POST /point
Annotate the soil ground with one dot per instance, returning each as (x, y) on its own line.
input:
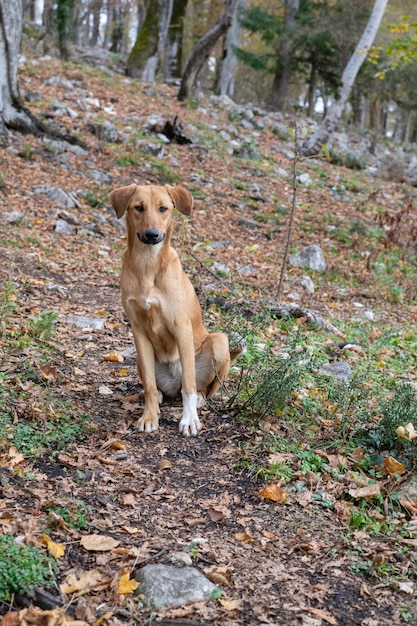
(158, 494)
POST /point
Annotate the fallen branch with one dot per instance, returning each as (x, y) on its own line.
(313, 317)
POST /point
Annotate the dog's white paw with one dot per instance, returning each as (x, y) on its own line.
(189, 424)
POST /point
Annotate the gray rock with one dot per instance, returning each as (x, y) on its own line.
(246, 270)
(306, 283)
(304, 179)
(107, 132)
(128, 353)
(408, 489)
(12, 217)
(247, 223)
(64, 199)
(69, 217)
(340, 370)
(311, 256)
(101, 178)
(87, 323)
(62, 227)
(170, 586)
(219, 267)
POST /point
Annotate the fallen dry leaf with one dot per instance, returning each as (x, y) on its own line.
(244, 537)
(99, 543)
(128, 499)
(114, 357)
(230, 605)
(220, 575)
(49, 372)
(56, 549)
(406, 587)
(165, 464)
(85, 582)
(407, 432)
(11, 458)
(365, 492)
(274, 493)
(126, 585)
(410, 506)
(215, 515)
(392, 466)
(322, 615)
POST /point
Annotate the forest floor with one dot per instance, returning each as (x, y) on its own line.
(313, 549)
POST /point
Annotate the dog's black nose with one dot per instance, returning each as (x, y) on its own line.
(152, 236)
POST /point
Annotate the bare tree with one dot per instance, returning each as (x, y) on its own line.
(279, 90)
(174, 40)
(145, 57)
(228, 63)
(204, 47)
(13, 114)
(335, 111)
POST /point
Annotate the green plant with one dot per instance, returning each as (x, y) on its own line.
(75, 515)
(42, 326)
(348, 159)
(22, 567)
(96, 198)
(26, 151)
(400, 410)
(7, 303)
(216, 593)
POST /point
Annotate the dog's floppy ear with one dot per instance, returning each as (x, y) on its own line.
(120, 199)
(182, 199)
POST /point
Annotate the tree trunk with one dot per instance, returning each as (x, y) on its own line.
(173, 43)
(228, 64)
(13, 114)
(313, 145)
(281, 82)
(95, 11)
(204, 46)
(312, 85)
(145, 57)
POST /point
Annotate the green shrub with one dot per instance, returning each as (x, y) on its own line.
(22, 567)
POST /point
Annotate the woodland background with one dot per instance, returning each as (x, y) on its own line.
(263, 57)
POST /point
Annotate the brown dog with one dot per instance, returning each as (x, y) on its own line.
(174, 351)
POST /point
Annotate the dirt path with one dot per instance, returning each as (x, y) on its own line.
(295, 562)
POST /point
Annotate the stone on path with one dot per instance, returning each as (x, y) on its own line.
(311, 257)
(170, 586)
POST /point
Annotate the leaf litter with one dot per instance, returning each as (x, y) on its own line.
(275, 556)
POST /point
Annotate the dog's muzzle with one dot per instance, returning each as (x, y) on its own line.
(151, 236)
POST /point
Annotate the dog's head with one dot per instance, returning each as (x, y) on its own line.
(149, 209)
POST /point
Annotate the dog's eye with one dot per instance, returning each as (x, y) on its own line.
(162, 209)
(140, 208)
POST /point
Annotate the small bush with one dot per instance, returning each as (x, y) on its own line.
(23, 567)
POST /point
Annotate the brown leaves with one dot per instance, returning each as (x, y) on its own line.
(392, 466)
(274, 493)
(84, 582)
(98, 543)
(365, 492)
(10, 459)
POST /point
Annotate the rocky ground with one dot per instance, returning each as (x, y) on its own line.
(160, 498)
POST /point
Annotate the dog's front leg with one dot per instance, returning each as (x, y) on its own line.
(145, 361)
(189, 424)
